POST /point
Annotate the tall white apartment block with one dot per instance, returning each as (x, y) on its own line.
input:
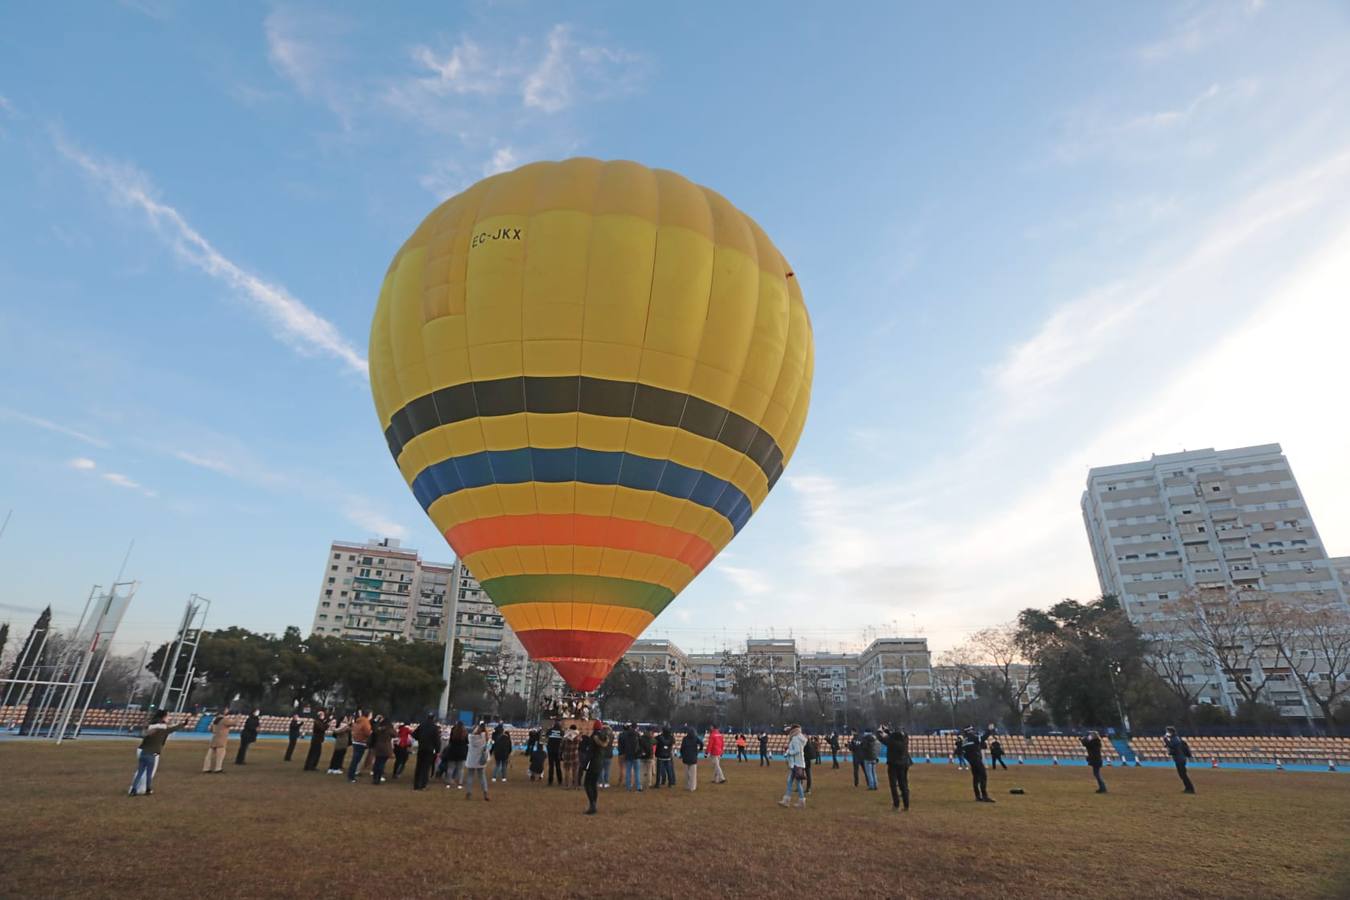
(660, 655)
(1205, 519)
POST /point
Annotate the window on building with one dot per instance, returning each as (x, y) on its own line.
(330, 581)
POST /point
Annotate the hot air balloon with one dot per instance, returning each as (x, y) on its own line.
(590, 374)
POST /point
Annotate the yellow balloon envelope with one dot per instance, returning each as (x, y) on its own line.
(591, 374)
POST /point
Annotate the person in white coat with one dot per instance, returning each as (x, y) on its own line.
(476, 764)
(796, 762)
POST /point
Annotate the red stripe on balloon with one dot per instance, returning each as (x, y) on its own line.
(540, 529)
(582, 658)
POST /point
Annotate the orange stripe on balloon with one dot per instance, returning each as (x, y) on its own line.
(541, 529)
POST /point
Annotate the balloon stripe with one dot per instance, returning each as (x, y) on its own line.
(584, 394)
(580, 530)
(603, 590)
(529, 464)
(577, 616)
(557, 643)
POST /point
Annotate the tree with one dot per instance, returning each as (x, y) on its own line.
(499, 669)
(747, 685)
(4, 638)
(1231, 629)
(946, 690)
(1170, 658)
(1084, 656)
(818, 687)
(780, 683)
(994, 660)
(1314, 643)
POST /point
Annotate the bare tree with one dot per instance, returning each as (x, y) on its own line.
(947, 676)
(499, 669)
(781, 683)
(1170, 658)
(746, 683)
(992, 658)
(1314, 642)
(1232, 630)
(818, 685)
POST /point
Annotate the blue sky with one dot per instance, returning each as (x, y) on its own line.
(1031, 240)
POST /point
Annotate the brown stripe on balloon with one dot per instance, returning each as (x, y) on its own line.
(593, 396)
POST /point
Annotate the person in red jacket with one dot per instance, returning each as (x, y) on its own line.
(401, 747)
(716, 744)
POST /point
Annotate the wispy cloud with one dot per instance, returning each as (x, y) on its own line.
(751, 582)
(361, 513)
(293, 323)
(307, 49)
(502, 101)
(571, 69)
(48, 425)
(1198, 28)
(83, 463)
(1150, 363)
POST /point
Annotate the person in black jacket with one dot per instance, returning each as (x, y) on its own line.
(1180, 751)
(665, 758)
(630, 755)
(501, 752)
(316, 733)
(854, 746)
(898, 762)
(554, 738)
(1092, 743)
(594, 752)
(428, 737)
(834, 750)
(996, 753)
(970, 746)
(292, 735)
(763, 748)
(690, 748)
(247, 736)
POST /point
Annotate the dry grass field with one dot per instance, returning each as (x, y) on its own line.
(268, 830)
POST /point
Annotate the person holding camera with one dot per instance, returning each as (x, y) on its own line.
(1092, 743)
(1180, 751)
(970, 746)
(898, 762)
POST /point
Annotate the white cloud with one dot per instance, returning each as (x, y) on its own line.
(48, 425)
(306, 48)
(292, 321)
(503, 160)
(83, 463)
(747, 581)
(124, 481)
(1235, 342)
(361, 513)
(1200, 28)
(570, 70)
(212, 463)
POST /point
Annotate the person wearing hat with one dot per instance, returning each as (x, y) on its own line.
(796, 763)
(598, 742)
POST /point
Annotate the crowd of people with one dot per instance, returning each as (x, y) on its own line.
(460, 756)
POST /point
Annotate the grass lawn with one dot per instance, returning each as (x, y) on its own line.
(269, 830)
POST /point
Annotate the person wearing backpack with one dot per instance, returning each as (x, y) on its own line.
(1180, 751)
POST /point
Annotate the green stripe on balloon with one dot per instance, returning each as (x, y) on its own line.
(598, 589)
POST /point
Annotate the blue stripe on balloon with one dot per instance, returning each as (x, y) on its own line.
(586, 466)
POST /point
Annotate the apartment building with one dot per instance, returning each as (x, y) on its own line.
(378, 589)
(660, 655)
(897, 667)
(831, 679)
(1223, 526)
